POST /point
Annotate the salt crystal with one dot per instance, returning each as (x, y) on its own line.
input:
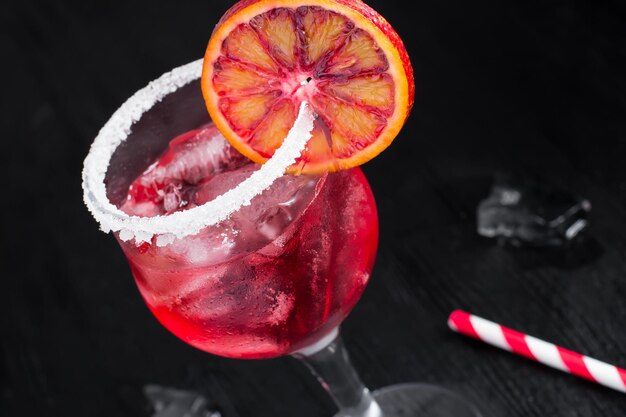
(164, 240)
(126, 235)
(182, 223)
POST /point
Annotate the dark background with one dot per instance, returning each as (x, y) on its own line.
(533, 86)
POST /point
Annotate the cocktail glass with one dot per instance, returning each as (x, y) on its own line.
(276, 277)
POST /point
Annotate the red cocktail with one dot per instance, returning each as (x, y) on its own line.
(273, 278)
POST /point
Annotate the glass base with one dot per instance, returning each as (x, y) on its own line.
(421, 400)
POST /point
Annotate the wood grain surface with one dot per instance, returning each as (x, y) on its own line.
(537, 87)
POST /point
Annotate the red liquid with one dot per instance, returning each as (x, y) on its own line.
(274, 278)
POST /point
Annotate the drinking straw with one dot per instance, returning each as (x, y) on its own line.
(538, 350)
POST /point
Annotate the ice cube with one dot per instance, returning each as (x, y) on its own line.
(215, 186)
(273, 221)
(269, 213)
(213, 245)
(284, 201)
(191, 158)
(172, 200)
(226, 297)
(531, 211)
(197, 155)
(171, 402)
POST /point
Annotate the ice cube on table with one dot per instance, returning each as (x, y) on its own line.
(170, 402)
(531, 211)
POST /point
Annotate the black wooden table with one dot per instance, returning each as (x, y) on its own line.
(537, 87)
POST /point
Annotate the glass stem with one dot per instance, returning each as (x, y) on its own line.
(328, 360)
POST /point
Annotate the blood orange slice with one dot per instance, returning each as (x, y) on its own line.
(267, 56)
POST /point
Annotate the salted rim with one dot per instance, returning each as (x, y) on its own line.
(188, 222)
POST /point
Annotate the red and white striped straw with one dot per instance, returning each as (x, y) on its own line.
(538, 350)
